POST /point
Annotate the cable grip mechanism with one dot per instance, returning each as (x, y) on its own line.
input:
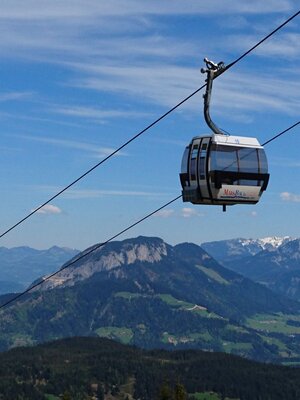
(212, 70)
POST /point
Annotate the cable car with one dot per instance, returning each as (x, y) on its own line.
(219, 169)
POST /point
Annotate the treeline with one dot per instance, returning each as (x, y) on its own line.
(82, 368)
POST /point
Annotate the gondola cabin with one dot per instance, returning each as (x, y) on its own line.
(223, 170)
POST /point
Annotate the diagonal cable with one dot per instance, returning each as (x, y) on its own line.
(96, 247)
(101, 162)
(147, 128)
(91, 250)
(263, 40)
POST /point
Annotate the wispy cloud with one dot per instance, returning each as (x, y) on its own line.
(285, 45)
(95, 149)
(236, 91)
(284, 162)
(69, 27)
(10, 96)
(92, 193)
(142, 81)
(35, 10)
(287, 196)
(261, 93)
(234, 22)
(96, 113)
(49, 209)
(145, 66)
(80, 194)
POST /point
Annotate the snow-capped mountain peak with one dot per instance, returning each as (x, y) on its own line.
(273, 242)
(226, 250)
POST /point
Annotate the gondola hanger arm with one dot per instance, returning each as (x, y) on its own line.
(212, 70)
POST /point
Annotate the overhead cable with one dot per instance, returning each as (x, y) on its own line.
(144, 130)
(89, 251)
(98, 246)
(264, 39)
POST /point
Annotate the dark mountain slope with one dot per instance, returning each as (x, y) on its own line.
(94, 367)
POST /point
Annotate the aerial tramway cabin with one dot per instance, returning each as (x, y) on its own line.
(220, 169)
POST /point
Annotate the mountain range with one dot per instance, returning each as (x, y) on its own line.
(146, 292)
(232, 249)
(274, 262)
(19, 266)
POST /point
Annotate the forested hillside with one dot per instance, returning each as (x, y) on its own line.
(85, 368)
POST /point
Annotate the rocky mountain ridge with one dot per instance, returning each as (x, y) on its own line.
(109, 257)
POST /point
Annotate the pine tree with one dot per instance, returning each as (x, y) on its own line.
(66, 396)
(165, 392)
(180, 392)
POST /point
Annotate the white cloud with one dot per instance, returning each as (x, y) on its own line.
(187, 212)
(49, 209)
(165, 213)
(287, 196)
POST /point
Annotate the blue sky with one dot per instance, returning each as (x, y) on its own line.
(79, 78)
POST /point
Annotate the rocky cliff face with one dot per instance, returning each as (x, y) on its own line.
(113, 255)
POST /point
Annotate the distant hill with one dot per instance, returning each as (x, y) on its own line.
(19, 266)
(81, 368)
(145, 292)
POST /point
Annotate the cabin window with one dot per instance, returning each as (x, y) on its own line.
(184, 162)
(194, 162)
(224, 158)
(202, 163)
(238, 160)
(248, 160)
(263, 163)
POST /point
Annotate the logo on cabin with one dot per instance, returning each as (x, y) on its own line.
(236, 194)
